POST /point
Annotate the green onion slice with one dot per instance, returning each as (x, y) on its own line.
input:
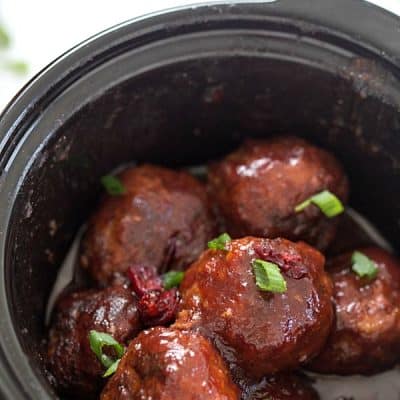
(363, 266)
(220, 242)
(268, 276)
(113, 367)
(172, 279)
(327, 202)
(97, 341)
(113, 185)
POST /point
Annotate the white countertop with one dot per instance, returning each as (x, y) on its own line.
(43, 29)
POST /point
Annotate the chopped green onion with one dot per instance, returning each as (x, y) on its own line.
(97, 341)
(113, 367)
(327, 202)
(220, 242)
(113, 185)
(172, 279)
(363, 266)
(268, 276)
(4, 38)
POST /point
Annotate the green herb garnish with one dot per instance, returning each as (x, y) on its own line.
(268, 276)
(327, 202)
(363, 266)
(113, 367)
(97, 341)
(113, 185)
(172, 279)
(220, 242)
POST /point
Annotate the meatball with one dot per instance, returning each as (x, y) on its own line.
(282, 387)
(258, 187)
(366, 337)
(168, 364)
(72, 362)
(163, 219)
(261, 332)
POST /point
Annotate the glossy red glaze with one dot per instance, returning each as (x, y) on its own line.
(163, 220)
(261, 332)
(258, 186)
(168, 364)
(112, 310)
(366, 337)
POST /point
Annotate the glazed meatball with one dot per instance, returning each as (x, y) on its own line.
(163, 220)
(258, 187)
(260, 331)
(366, 337)
(168, 364)
(72, 362)
(282, 387)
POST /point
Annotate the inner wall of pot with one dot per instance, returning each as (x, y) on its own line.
(187, 113)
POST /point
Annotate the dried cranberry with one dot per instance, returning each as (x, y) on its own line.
(144, 279)
(290, 264)
(158, 307)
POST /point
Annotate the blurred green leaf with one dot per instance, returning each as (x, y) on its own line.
(16, 67)
(4, 38)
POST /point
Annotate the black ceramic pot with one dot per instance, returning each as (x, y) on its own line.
(180, 88)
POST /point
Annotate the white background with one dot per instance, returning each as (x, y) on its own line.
(44, 29)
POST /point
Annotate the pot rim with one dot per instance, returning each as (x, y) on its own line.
(310, 17)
